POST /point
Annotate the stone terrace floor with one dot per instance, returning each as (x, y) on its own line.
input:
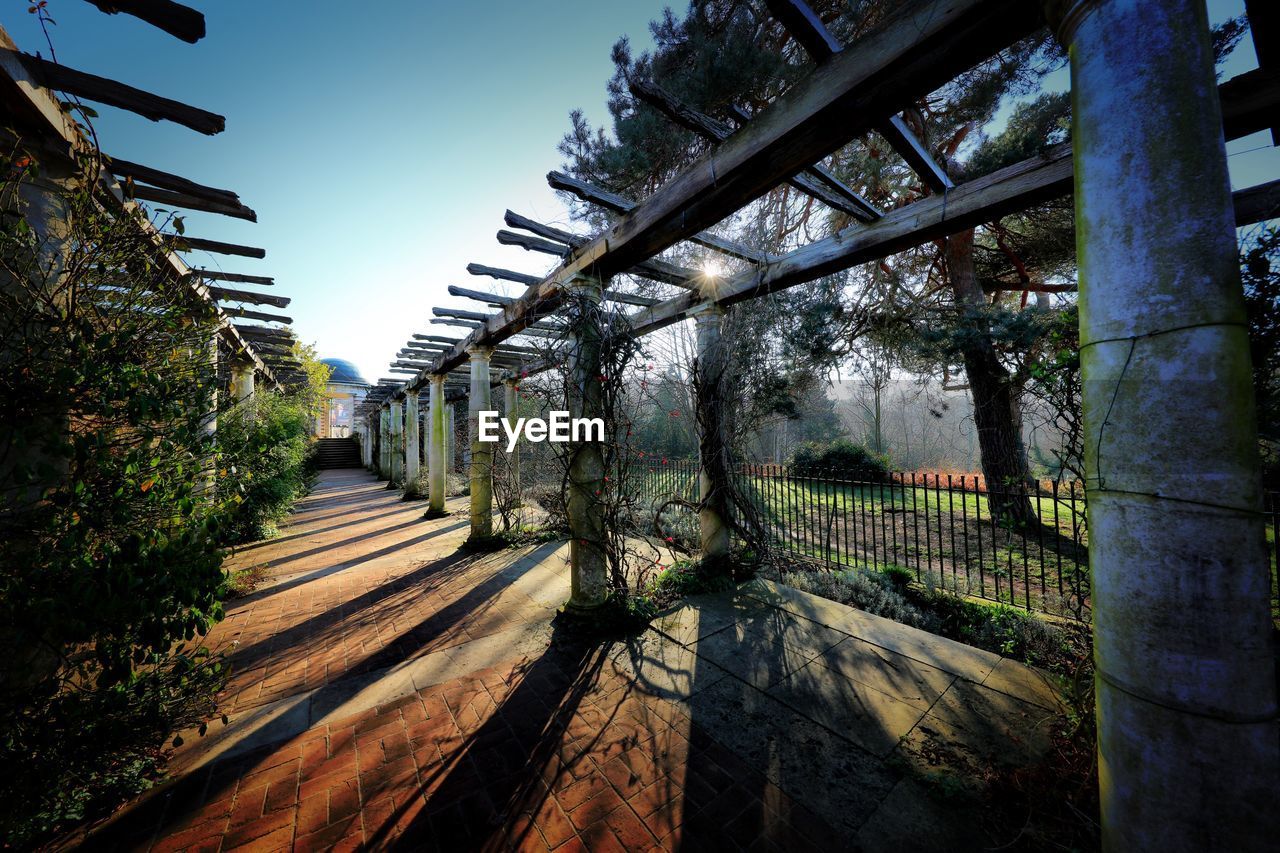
(393, 692)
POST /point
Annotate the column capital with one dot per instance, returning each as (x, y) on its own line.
(706, 312)
(1064, 17)
(480, 353)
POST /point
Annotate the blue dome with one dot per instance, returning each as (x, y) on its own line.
(344, 371)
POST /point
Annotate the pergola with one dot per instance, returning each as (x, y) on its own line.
(27, 92)
(1186, 696)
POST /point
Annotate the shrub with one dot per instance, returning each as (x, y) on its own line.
(840, 457)
(264, 464)
(873, 592)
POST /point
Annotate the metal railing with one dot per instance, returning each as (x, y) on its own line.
(939, 528)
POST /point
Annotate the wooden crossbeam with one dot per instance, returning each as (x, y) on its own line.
(480, 296)
(1257, 204)
(183, 243)
(807, 29)
(652, 269)
(533, 244)
(256, 315)
(113, 93)
(925, 45)
(236, 277)
(618, 204)
(177, 20)
(503, 275)
(264, 331)
(1250, 102)
(225, 294)
(454, 341)
(168, 181)
(816, 181)
(173, 199)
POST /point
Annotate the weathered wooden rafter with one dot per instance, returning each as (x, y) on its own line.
(91, 87)
(190, 202)
(807, 29)
(167, 181)
(235, 277)
(816, 181)
(175, 19)
(183, 243)
(925, 45)
(223, 294)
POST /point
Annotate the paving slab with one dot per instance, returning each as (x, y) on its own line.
(393, 691)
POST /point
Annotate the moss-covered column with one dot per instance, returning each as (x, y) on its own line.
(712, 515)
(397, 444)
(510, 411)
(589, 576)
(384, 442)
(243, 382)
(209, 423)
(1188, 754)
(450, 440)
(436, 446)
(481, 463)
(411, 451)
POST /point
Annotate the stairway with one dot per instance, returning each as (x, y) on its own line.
(337, 453)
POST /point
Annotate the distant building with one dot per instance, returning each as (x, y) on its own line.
(346, 388)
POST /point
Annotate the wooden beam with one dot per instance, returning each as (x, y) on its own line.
(1250, 102)
(909, 147)
(168, 181)
(1257, 204)
(618, 204)
(264, 331)
(816, 182)
(177, 20)
(925, 45)
(503, 275)
(173, 199)
(113, 93)
(652, 269)
(226, 294)
(454, 341)
(183, 243)
(533, 244)
(807, 29)
(238, 278)
(256, 315)
(968, 205)
(480, 296)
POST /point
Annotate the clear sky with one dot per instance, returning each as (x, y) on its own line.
(381, 143)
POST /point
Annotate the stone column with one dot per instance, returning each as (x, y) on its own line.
(412, 454)
(450, 440)
(510, 407)
(209, 423)
(1186, 691)
(384, 442)
(436, 446)
(481, 464)
(713, 528)
(589, 575)
(243, 383)
(397, 443)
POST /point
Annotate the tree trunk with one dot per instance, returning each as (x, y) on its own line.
(997, 408)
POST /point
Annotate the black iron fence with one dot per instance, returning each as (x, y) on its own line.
(938, 527)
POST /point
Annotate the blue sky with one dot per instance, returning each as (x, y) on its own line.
(381, 143)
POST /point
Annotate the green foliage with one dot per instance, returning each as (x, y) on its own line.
(1260, 272)
(1033, 128)
(841, 457)
(264, 456)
